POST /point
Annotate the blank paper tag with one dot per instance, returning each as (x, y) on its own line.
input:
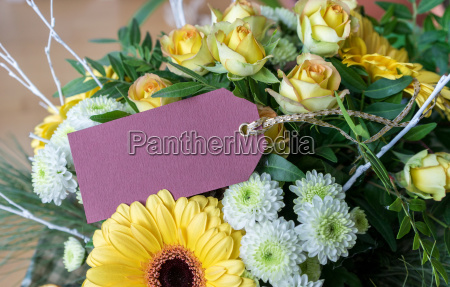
(188, 147)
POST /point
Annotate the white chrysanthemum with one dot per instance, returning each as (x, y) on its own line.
(51, 179)
(284, 52)
(60, 140)
(283, 15)
(257, 199)
(74, 254)
(272, 251)
(79, 115)
(359, 217)
(299, 281)
(327, 231)
(315, 184)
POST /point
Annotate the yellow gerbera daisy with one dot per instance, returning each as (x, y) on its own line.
(368, 49)
(167, 243)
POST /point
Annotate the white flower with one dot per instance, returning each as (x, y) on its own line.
(79, 198)
(327, 230)
(51, 179)
(284, 52)
(257, 199)
(282, 15)
(79, 115)
(299, 281)
(359, 217)
(315, 184)
(60, 140)
(271, 251)
(74, 254)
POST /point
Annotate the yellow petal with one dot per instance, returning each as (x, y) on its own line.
(108, 275)
(430, 180)
(214, 272)
(166, 225)
(108, 255)
(192, 208)
(212, 211)
(211, 243)
(167, 198)
(213, 222)
(98, 239)
(235, 267)
(195, 229)
(246, 282)
(146, 238)
(228, 280)
(201, 200)
(220, 252)
(128, 246)
(180, 205)
(204, 238)
(140, 215)
(152, 204)
(237, 236)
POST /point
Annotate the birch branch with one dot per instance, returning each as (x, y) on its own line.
(178, 13)
(58, 39)
(49, 59)
(21, 77)
(415, 120)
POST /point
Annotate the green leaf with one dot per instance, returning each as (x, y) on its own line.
(146, 10)
(234, 78)
(385, 110)
(400, 11)
(179, 90)
(123, 35)
(429, 223)
(447, 239)
(350, 78)
(384, 88)
(77, 66)
(405, 227)
(432, 37)
(438, 266)
(78, 86)
(431, 248)
(279, 168)
(103, 41)
(109, 116)
(90, 244)
(416, 242)
(427, 5)
(147, 43)
(117, 66)
(129, 71)
(347, 118)
(419, 132)
(422, 227)
(218, 68)
(129, 102)
(271, 3)
(97, 66)
(189, 72)
(265, 76)
(135, 33)
(327, 153)
(396, 205)
(271, 46)
(417, 204)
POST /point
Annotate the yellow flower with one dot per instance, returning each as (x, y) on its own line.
(323, 25)
(144, 87)
(309, 87)
(234, 45)
(46, 129)
(352, 4)
(187, 47)
(166, 243)
(240, 9)
(279, 142)
(368, 49)
(427, 175)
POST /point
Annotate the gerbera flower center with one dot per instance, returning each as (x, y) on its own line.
(175, 266)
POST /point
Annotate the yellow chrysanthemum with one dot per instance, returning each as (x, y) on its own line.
(46, 129)
(367, 49)
(167, 243)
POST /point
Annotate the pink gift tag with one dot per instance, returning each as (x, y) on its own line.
(188, 147)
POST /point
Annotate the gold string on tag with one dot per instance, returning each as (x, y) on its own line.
(263, 124)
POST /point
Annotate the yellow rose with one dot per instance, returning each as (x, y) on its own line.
(427, 175)
(144, 87)
(238, 10)
(278, 144)
(309, 87)
(187, 47)
(234, 45)
(323, 25)
(352, 4)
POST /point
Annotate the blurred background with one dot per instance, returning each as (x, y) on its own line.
(25, 36)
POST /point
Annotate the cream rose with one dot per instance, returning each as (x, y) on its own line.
(144, 87)
(187, 47)
(279, 140)
(323, 25)
(309, 87)
(427, 175)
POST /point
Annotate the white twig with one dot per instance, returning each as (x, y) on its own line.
(33, 136)
(28, 215)
(49, 59)
(415, 120)
(44, 105)
(23, 79)
(178, 12)
(60, 41)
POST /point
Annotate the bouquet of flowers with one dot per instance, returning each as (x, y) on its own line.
(336, 213)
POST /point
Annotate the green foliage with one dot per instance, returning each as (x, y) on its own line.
(109, 116)
(279, 168)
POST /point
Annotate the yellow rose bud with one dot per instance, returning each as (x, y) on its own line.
(352, 4)
(144, 87)
(187, 47)
(309, 87)
(238, 10)
(323, 25)
(234, 45)
(278, 142)
(427, 175)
